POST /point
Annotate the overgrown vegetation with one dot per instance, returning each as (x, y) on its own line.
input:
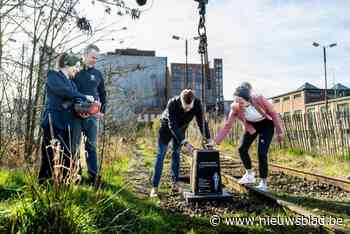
(113, 208)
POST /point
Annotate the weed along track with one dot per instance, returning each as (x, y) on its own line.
(242, 206)
(308, 195)
(296, 182)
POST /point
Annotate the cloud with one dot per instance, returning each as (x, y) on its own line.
(266, 42)
(269, 43)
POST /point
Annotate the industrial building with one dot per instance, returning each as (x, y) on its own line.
(136, 80)
(214, 85)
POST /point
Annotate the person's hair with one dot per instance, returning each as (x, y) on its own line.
(187, 95)
(66, 59)
(60, 60)
(91, 48)
(243, 91)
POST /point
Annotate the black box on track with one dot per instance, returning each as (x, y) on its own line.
(206, 175)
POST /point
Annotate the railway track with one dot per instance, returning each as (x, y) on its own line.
(290, 181)
(337, 182)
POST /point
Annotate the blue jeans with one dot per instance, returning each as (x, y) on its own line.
(175, 162)
(89, 128)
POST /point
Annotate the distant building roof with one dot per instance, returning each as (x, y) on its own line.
(306, 86)
(340, 87)
(133, 52)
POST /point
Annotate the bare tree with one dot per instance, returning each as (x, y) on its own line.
(6, 8)
(50, 26)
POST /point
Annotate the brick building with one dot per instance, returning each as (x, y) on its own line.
(310, 98)
(340, 104)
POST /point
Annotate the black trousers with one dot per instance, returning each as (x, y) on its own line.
(265, 129)
(47, 153)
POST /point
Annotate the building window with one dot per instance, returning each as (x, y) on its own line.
(323, 109)
(178, 74)
(189, 69)
(297, 96)
(198, 75)
(276, 101)
(310, 110)
(343, 107)
(286, 98)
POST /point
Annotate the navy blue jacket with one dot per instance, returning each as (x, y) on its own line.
(90, 81)
(177, 120)
(61, 94)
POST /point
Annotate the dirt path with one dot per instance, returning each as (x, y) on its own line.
(138, 175)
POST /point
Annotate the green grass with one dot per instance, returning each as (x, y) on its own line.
(77, 209)
(318, 164)
(83, 209)
(347, 156)
(296, 152)
(321, 207)
(27, 208)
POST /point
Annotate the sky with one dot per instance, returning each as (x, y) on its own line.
(265, 42)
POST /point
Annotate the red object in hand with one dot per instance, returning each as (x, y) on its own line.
(86, 109)
(94, 108)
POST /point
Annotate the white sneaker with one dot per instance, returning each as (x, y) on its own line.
(248, 178)
(262, 186)
(154, 192)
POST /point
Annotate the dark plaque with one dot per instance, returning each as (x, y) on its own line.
(206, 177)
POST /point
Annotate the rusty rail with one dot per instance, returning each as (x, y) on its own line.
(343, 184)
(232, 182)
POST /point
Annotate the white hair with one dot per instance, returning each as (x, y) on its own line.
(91, 49)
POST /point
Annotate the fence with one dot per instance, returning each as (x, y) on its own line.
(321, 134)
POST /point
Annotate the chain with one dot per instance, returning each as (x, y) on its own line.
(203, 51)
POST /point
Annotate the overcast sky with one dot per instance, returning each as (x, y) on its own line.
(265, 42)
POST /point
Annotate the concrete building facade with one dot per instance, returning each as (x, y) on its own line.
(137, 82)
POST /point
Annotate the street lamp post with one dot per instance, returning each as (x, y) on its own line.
(186, 55)
(315, 44)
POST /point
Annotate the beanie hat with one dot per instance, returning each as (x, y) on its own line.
(243, 92)
(71, 60)
(247, 84)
